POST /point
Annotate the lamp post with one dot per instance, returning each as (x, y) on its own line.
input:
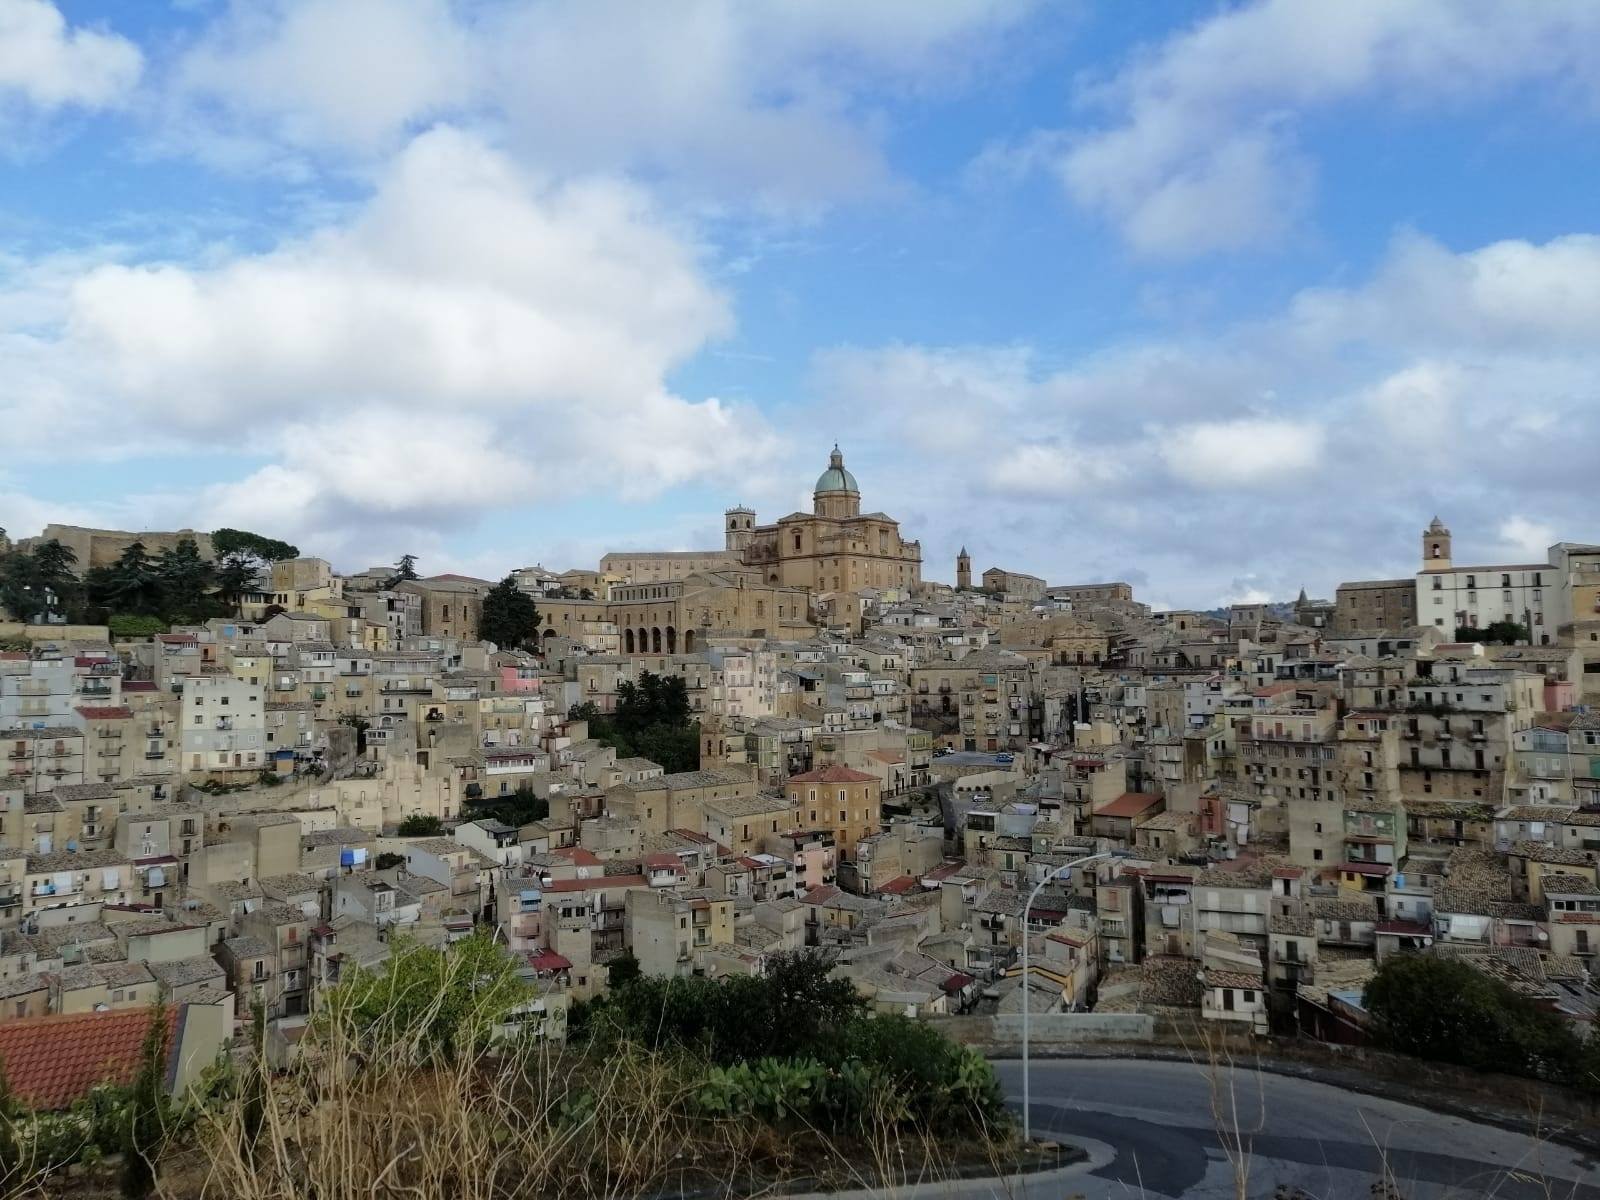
(1027, 1094)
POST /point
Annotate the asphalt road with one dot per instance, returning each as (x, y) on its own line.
(1172, 1129)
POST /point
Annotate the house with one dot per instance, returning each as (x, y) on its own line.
(1118, 819)
(1235, 997)
(52, 1062)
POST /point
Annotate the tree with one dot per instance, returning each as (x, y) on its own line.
(430, 1001)
(185, 580)
(387, 859)
(652, 720)
(41, 582)
(237, 574)
(225, 542)
(129, 585)
(12, 1162)
(421, 825)
(147, 1111)
(516, 810)
(510, 619)
(1496, 633)
(624, 970)
(405, 569)
(1449, 1011)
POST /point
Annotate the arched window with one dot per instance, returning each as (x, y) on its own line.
(627, 640)
(672, 640)
(655, 640)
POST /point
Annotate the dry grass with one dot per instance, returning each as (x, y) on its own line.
(359, 1118)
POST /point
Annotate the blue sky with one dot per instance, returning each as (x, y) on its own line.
(1220, 298)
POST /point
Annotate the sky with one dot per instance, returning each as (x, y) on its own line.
(1219, 299)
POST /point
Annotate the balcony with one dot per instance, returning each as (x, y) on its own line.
(224, 723)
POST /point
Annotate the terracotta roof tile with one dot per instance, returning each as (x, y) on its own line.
(833, 774)
(52, 1061)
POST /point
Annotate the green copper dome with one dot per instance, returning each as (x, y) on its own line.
(836, 478)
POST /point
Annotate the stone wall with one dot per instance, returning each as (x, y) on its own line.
(1047, 1029)
(102, 547)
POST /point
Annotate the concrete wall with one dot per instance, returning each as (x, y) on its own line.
(1049, 1028)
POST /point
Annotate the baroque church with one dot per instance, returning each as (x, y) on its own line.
(834, 548)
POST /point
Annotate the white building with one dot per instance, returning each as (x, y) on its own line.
(1451, 596)
(224, 724)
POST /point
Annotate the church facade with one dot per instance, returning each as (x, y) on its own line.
(834, 548)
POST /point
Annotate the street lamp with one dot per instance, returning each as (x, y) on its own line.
(1027, 1094)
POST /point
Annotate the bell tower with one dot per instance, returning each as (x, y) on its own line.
(1435, 546)
(737, 526)
(964, 571)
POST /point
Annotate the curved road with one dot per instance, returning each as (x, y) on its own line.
(1152, 1129)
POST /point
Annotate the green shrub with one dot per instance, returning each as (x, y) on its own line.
(133, 625)
(798, 1043)
(1449, 1011)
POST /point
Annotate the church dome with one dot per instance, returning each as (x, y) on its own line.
(836, 478)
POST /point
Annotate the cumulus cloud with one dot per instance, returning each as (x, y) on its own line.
(731, 101)
(1318, 441)
(1526, 538)
(1194, 148)
(51, 65)
(474, 337)
(341, 74)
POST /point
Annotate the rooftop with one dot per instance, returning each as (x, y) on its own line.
(53, 1061)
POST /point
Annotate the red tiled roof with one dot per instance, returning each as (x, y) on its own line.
(138, 685)
(176, 637)
(577, 855)
(946, 869)
(958, 981)
(549, 960)
(595, 883)
(833, 774)
(663, 862)
(52, 1061)
(114, 712)
(899, 886)
(1129, 804)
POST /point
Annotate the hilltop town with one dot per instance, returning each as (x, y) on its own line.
(233, 774)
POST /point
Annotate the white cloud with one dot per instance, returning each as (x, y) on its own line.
(1506, 295)
(331, 74)
(474, 337)
(1049, 472)
(1529, 539)
(731, 101)
(1245, 452)
(1319, 441)
(50, 65)
(1198, 152)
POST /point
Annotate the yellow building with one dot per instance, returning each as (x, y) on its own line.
(834, 548)
(847, 803)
